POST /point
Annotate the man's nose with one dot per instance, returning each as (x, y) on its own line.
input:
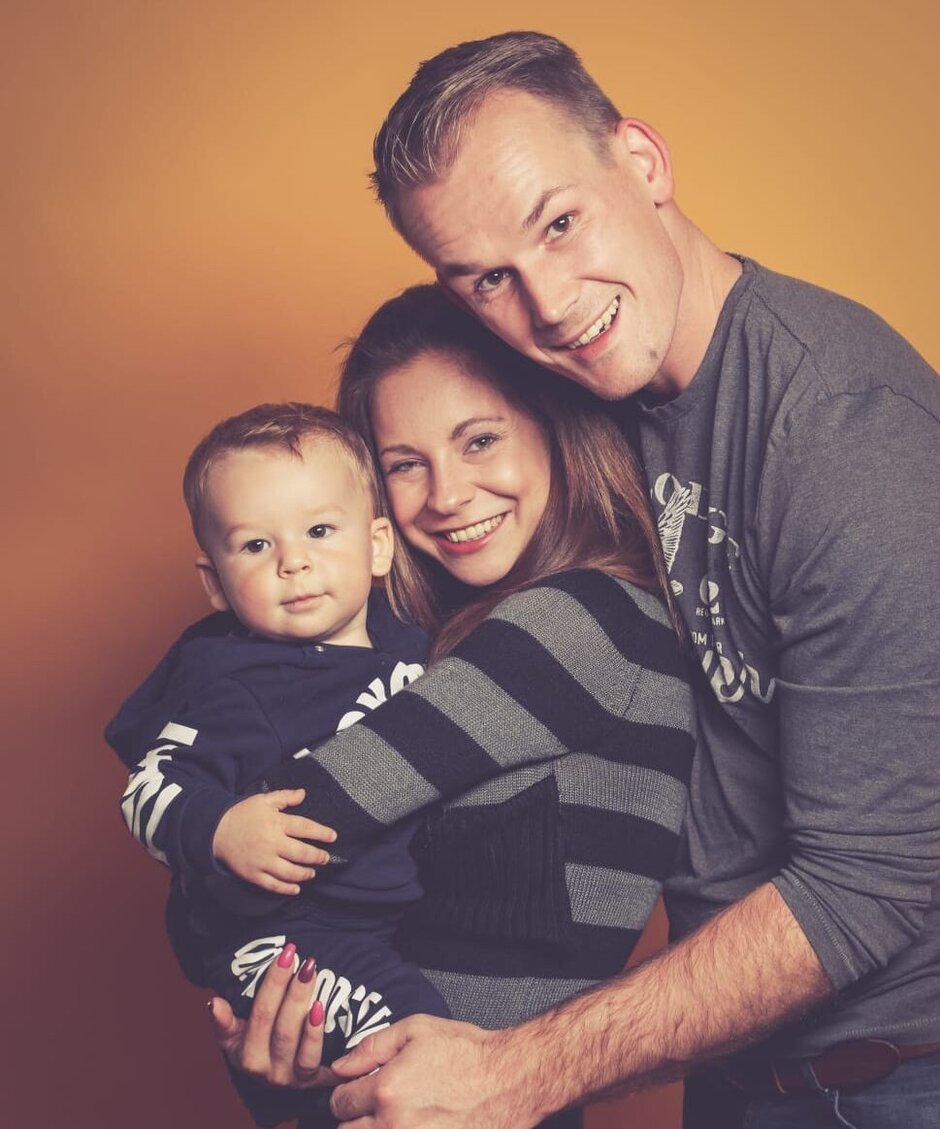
(550, 294)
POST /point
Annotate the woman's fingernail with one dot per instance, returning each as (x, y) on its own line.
(286, 958)
(307, 970)
(316, 1014)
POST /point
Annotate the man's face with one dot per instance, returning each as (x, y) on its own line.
(557, 248)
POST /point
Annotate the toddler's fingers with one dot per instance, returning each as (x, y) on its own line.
(285, 871)
(285, 797)
(299, 827)
(302, 853)
(275, 885)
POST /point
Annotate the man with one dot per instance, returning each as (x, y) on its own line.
(785, 434)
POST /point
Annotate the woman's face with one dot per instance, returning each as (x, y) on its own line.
(467, 473)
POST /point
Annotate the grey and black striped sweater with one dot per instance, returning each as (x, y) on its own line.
(555, 744)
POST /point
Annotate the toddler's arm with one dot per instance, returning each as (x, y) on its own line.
(191, 774)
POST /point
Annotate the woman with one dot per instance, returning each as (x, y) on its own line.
(555, 721)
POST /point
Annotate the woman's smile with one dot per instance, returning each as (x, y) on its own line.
(470, 538)
(466, 471)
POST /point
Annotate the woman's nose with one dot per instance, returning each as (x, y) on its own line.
(449, 492)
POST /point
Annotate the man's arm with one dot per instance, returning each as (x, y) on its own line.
(740, 975)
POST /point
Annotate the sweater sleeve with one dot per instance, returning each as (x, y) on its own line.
(553, 668)
(195, 768)
(852, 527)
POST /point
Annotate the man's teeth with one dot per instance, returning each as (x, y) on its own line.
(600, 326)
(474, 532)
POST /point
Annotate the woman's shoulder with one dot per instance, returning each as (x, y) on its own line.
(589, 611)
(579, 593)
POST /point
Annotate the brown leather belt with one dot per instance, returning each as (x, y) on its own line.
(856, 1063)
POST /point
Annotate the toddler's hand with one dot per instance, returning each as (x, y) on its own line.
(259, 843)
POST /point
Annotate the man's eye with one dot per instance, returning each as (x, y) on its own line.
(258, 545)
(490, 280)
(318, 531)
(562, 225)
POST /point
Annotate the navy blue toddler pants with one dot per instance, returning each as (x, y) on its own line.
(362, 981)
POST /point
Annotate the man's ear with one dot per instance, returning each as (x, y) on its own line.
(383, 546)
(211, 583)
(646, 150)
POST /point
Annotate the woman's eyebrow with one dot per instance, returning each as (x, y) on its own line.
(459, 430)
(474, 421)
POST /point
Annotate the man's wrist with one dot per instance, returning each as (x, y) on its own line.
(524, 1063)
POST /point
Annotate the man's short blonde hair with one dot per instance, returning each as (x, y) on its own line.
(420, 138)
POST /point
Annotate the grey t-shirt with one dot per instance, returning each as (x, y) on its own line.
(796, 487)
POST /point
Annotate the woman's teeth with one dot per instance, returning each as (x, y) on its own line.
(600, 326)
(474, 532)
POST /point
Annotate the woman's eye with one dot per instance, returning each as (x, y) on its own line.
(562, 225)
(482, 442)
(318, 531)
(258, 545)
(400, 468)
(490, 280)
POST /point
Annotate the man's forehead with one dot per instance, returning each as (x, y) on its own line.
(510, 165)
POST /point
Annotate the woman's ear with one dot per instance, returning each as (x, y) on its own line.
(383, 546)
(646, 150)
(211, 583)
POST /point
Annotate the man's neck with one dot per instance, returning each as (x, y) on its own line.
(708, 277)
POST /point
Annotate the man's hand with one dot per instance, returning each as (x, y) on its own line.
(259, 843)
(434, 1072)
(745, 971)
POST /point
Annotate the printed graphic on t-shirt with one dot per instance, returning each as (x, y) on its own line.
(700, 557)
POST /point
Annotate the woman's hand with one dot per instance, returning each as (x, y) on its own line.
(282, 1040)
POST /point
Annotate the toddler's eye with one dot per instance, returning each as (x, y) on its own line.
(258, 545)
(318, 531)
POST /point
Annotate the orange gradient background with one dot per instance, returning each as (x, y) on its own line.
(186, 231)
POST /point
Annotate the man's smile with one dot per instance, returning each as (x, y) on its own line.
(596, 328)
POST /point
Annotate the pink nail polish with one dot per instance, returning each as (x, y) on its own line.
(316, 1014)
(307, 971)
(286, 958)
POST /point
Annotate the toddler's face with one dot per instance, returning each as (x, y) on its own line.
(292, 543)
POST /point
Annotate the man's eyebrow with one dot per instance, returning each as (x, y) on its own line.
(536, 214)
(463, 270)
(458, 270)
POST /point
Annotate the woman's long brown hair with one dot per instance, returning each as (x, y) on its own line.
(597, 514)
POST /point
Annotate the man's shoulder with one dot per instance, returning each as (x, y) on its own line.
(845, 346)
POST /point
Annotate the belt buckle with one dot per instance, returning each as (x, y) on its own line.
(858, 1062)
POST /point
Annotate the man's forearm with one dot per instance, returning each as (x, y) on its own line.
(736, 978)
